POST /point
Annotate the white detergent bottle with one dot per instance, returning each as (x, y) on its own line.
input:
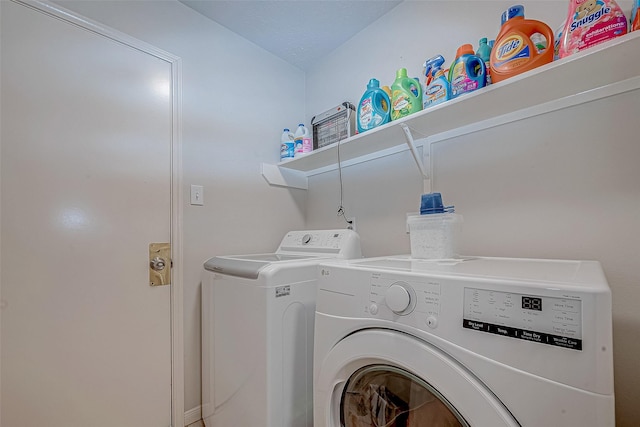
(301, 134)
(286, 145)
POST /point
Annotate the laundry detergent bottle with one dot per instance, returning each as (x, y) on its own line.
(635, 16)
(467, 72)
(299, 136)
(591, 22)
(484, 52)
(374, 108)
(287, 147)
(521, 45)
(437, 88)
(406, 95)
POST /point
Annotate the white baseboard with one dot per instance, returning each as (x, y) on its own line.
(192, 415)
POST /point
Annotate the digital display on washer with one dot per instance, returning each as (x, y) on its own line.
(545, 320)
(532, 303)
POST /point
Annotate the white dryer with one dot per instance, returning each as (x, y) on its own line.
(257, 331)
(481, 342)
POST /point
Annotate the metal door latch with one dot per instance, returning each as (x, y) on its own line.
(159, 264)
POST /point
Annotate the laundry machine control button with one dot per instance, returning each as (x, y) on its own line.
(432, 322)
(398, 298)
(373, 308)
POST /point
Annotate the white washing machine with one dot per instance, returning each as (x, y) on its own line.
(257, 331)
(482, 342)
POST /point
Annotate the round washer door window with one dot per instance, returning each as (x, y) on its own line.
(387, 396)
(385, 378)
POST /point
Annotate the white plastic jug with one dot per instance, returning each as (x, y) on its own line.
(302, 141)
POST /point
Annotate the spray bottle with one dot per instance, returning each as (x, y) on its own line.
(437, 88)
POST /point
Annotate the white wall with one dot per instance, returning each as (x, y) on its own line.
(236, 100)
(529, 189)
(405, 38)
(559, 186)
(225, 138)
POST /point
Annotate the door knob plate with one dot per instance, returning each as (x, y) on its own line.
(159, 264)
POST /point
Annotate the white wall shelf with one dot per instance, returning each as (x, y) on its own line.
(602, 65)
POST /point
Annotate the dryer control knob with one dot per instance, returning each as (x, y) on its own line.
(398, 298)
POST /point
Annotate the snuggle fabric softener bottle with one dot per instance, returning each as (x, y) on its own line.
(406, 95)
(521, 45)
(374, 107)
(467, 72)
(589, 23)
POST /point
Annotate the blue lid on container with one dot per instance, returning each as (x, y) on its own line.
(431, 203)
(512, 12)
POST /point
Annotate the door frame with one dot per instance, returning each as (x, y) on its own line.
(176, 232)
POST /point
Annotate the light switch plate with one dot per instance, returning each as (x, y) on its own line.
(197, 195)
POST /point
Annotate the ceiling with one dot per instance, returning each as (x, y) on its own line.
(298, 31)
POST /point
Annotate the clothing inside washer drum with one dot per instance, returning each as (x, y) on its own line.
(387, 396)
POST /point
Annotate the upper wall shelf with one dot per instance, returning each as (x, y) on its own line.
(602, 65)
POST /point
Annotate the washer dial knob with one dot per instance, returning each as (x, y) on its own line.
(398, 298)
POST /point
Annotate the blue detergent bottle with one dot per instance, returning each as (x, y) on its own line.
(484, 52)
(467, 73)
(438, 89)
(374, 108)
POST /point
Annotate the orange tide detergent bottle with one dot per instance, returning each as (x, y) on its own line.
(521, 45)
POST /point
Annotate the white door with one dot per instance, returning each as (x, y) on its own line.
(381, 377)
(86, 187)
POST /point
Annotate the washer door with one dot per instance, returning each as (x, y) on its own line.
(382, 378)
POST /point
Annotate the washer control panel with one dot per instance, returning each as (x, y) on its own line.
(391, 297)
(329, 239)
(541, 319)
(340, 243)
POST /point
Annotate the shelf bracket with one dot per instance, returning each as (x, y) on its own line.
(409, 137)
(284, 177)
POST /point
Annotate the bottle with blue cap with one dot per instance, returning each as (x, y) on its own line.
(484, 52)
(521, 45)
(374, 108)
(438, 89)
(286, 145)
(467, 72)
